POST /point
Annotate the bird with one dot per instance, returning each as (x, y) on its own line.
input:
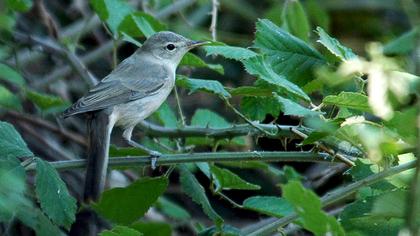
(129, 94)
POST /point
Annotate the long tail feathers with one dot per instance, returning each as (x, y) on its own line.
(99, 131)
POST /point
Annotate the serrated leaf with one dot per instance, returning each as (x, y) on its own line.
(257, 66)
(139, 23)
(10, 75)
(112, 12)
(295, 21)
(294, 109)
(334, 46)
(190, 59)
(250, 91)
(308, 206)
(211, 86)
(403, 44)
(351, 100)
(11, 143)
(272, 206)
(53, 196)
(46, 102)
(193, 189)
(172, 209)
(289, 56)
(19, 5)
(230, 52)
(9, 100)
(225, 179)
(152, 228)
(256, 108)
(138, 198)
(121, 230)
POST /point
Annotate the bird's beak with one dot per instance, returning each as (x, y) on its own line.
(194, 44)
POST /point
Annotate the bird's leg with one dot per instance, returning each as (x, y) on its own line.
(154, 155)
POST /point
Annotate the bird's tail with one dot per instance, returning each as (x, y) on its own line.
(99, 132)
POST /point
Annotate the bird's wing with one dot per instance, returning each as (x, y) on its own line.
(128, 82)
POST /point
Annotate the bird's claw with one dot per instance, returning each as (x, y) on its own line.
(153, 158)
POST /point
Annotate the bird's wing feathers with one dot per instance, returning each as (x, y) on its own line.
(126, 83)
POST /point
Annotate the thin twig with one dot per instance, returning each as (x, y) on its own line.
(213, 25)
(178, 105)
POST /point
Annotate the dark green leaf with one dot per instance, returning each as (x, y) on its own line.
(225, 179)
(288, 55)
(115, 151)
(294, 109)
(53, 196)
(10, 75)
(272, 206)
(211, 86)
(193, 189)
(172, 209)
(125, 205)
(250, 91)
(295, 21)
(9, 100)
(112, 12)
(351, 100)
(403, 44)
(120, 230)
(235, 53)
(166, 116)
(11, 143)
(47, 103)
(308, 206)
(139, 23)
(192, 60)
(19, 5)
(153, 228)
(257, 66)
(334, 46)
(256, 108)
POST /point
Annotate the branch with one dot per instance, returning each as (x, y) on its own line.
(215, 5)
(334, 196)
(171, 159)
(218, 133)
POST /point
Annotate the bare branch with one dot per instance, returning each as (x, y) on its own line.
(215, 6)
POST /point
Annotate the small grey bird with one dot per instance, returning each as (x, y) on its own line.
(132, 92)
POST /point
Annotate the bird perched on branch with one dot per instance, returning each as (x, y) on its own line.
(132, 92)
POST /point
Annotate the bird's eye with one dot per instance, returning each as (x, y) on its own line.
(170, 47)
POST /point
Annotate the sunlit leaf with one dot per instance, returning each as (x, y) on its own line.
(356, 101)
(334, 46)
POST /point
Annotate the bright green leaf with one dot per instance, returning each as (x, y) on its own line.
(295, 20)
(192, 60)
(10, 75)
(272, 206)
(235, 53)
(334, 46)
(193, 189)
(250, 91)
(225, 179)
(166, 116)
(289, 56)
(125, 205)
(9, 100)
(211, 86)
(120, 230)
(294, 109)
(19, 5)
(152, 228)
(47, 103)
(351, 100)
(115, 151)
(7, 22)
(11, 143)
(53, 196)
(112, 12)
(308, 206)
(256, 108)
(257, 66)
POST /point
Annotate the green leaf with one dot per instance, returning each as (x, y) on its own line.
(295, 21)
(308, 206)
(10, 75)
(399, 122)
(7, 22)
(120, 230)
(314, 137)
(190, 59)
(250, 91)
(19, 5)
(139, 23)
(115, 151)
(53, 196)
(153, 228)
(289, 56)
(257, 66)
(225, 179)
(227, 230)
(351, 100)
(47, 103)
(403, 44)
(166, 116)
(230, 52)
(211, 86)
(317, 13)
(11, 143)
(294, 109)
(363, 169)
(334, 46)
(112, 12)
(172, 209)
(9, 100)
(128, 38)
(125, 205)
(272, 206)
(193, 189)
(256, 108)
